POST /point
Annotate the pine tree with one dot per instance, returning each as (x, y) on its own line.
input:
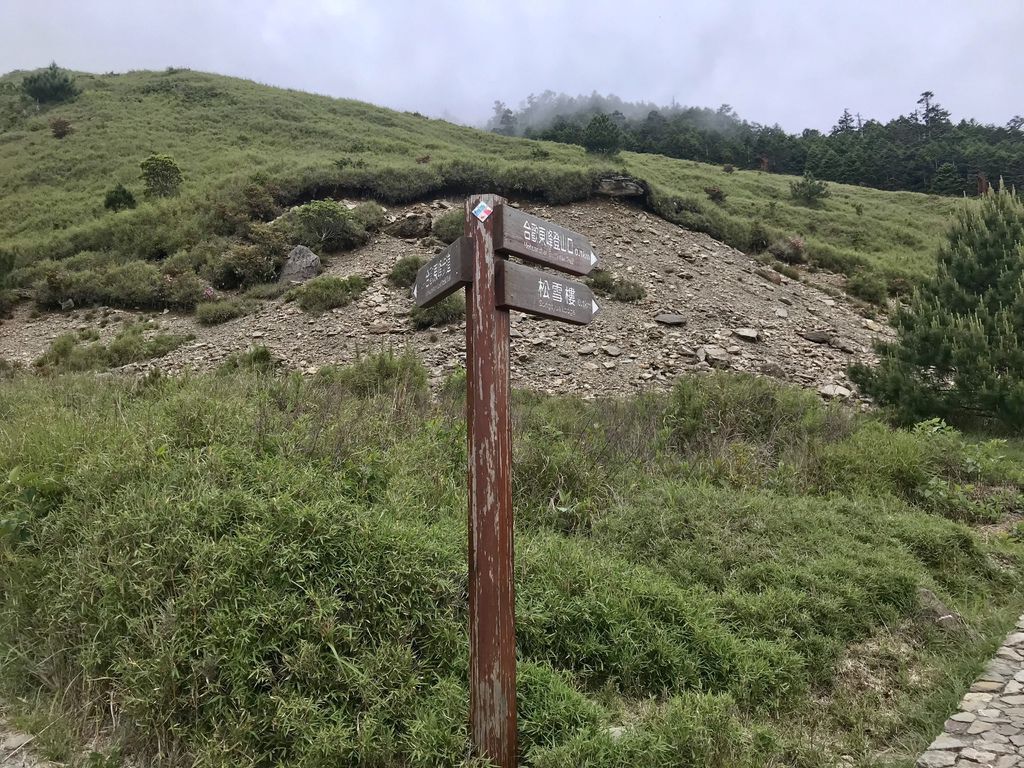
(50, 86)
(161, 175)
(959, 352)
(602, 135)
(947, 181)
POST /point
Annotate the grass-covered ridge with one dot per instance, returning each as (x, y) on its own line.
(261, 570)
(248, 150)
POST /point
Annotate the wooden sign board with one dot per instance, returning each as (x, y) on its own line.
(543, 293)
(541, 241)
(444, 274)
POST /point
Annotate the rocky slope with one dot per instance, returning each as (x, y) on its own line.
(728, 312)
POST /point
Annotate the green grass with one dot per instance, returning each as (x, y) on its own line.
(222, 310)
(82, 351)
(295, 147)
(261, 570)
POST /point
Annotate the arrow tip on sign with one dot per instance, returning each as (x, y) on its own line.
(593, 259)
(594, 307)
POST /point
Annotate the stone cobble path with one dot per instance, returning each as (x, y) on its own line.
(988, 730)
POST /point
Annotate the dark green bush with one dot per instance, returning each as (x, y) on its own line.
(446, 312)
(376, 375)
(715, 194)
(118, 199)
(369, 216)
(602, 135)
(328, 292)
(403, 274)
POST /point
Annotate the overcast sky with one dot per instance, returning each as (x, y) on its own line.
(794, 62)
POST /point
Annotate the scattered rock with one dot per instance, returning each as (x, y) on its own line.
(714, 356)
(781, 313)
(588, 349)
(670, 319)
(834, 391)
(412, 225)
(611, 350)
(67, 304)
(747, 334)
(301, 265)
(818, 337)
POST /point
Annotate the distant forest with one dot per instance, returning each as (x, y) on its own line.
(922, 151)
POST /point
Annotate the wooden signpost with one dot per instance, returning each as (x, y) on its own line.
(494, 285)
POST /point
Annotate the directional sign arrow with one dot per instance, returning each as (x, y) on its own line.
(538, 240)
(545, 294)
(444, 274)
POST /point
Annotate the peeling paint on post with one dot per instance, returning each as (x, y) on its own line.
(492, 635)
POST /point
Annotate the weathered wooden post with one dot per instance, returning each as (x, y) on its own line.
(492, 634)
(493, 286)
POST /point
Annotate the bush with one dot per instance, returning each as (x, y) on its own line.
(790, 250)
(60, 127)
(446, 312)
(809, 190)
(256, 359)
(118, 199)
(50, 86)
(327, 225)
(161, 175)
(403, 274)
(603, 283)
(448, 227)
(220, 311)
(870, 286)
(241, 266)
(728, 168)
(715, 194)
(369, 216)
(327, 292)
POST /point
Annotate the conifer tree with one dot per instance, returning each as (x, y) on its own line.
(947, 181)
(959, 352)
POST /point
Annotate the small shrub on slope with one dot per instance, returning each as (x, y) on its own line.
(327, 292)
(403, 274)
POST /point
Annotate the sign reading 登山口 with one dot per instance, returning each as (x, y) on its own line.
(538, 240)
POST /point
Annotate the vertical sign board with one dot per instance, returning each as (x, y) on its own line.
(493, 286)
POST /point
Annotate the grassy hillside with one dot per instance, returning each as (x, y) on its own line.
(246, 150)
(257, 570)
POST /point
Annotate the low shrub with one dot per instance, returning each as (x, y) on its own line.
(868, 285)
(446, 312)
(808, 190)
(403, 274)
(328, 292)
(715, 194)
(448, 227)
(241, 266)
(385, 374)
(83, 351)
(604, 283)
(216, 312)
(370, 216)
(60, 127)
(789, 250)
(257, 359)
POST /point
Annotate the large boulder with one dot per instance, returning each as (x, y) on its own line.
(301, 265)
